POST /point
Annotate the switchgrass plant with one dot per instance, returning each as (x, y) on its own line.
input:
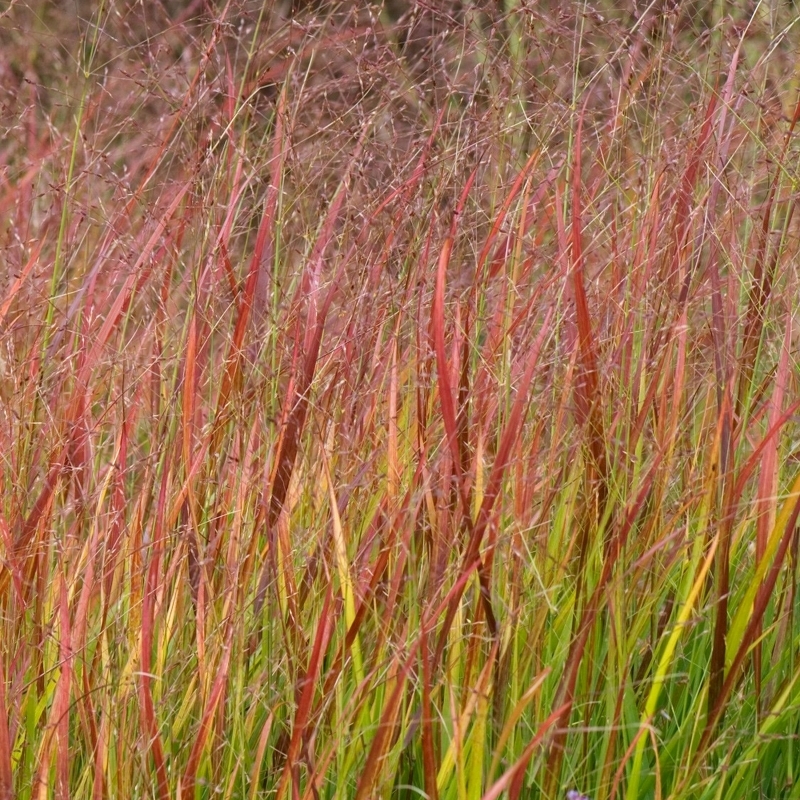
(399, 401)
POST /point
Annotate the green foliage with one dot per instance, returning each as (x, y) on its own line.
(399, 402)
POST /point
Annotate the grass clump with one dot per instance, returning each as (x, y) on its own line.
(399, 400)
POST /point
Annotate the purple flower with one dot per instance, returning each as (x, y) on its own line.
(573, 794)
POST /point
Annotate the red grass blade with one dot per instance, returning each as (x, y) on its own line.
(306, 687)
(681, 224)
(61, 701)
(514, 778)
(137, 274)
(588, 398)
(510, 433)
(150, 724)
(762, 278)
(428, 734)
(6, 779)
(308, 339)
(21, 278)
(256, 283)
(566, 690)
(437, 328)
(58, 723)
(219, 685)
(767, 495)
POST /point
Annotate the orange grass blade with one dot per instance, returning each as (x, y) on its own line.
(514, 778)
(57, 736)
(100, 755)
(263, 741)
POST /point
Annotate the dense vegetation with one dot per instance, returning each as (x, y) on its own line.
(399, 401)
